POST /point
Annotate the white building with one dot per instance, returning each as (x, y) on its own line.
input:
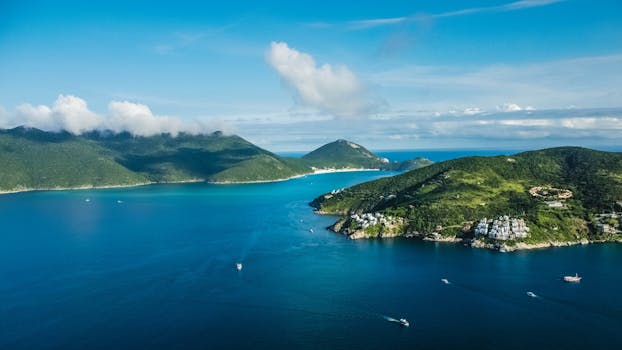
(502, 228)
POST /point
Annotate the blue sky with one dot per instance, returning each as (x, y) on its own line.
(290, 75)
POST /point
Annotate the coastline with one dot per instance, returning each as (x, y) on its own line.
(499, 246)
(315, 172)
(341, 170)
(95, 187)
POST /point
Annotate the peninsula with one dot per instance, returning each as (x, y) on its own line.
(551, 197)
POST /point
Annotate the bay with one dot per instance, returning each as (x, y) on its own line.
(154, 266)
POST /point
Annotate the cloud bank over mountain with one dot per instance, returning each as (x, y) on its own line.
(72, 114)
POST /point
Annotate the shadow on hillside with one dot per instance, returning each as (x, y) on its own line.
(194, 162)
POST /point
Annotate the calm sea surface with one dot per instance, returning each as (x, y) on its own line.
(154, 267)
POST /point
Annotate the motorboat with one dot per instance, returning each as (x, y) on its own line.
(573, 279)
(445, 280)
(311, 230)
(532, 294)
(402, 321)
(238, 266)
(87, 200)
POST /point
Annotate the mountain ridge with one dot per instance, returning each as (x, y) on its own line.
(38, 160)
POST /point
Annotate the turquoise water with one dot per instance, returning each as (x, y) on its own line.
(157, 270)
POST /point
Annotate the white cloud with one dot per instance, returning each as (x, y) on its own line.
(513, 107)
(36, 117)
(332, 89)
(518, 130)
(71, 113)
(472, 111)
(139, 120)
(68, 113)
(513, 6)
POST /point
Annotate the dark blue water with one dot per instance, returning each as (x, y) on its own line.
(158, 271)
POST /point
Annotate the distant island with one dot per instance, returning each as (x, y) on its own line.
(551, 197)
(33, 159)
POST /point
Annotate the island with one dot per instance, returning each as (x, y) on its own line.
(33, 159)
(551, 197)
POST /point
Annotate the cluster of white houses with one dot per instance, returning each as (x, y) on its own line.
(502, 228)
(336, 191)
(368, 219)
(604, 223)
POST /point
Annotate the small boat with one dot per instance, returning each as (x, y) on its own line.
(573, 279)
(402, 321)
(311, 230)
(119, 201)
(532, 294)
(445, 280)
(238, 266)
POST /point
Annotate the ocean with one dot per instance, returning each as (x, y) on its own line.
(154, 267)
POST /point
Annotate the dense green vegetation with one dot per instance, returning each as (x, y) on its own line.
(455, 194)
(412, 164)
(344, 154)
(33, 159)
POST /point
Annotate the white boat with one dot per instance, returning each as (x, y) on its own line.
(238, 266)
(311, 230)
(119, 201)
(87, 200)
(402, 321)
(532, 294)
(574, 279)
(445, 280)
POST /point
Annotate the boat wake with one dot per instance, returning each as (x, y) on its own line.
(401, 321)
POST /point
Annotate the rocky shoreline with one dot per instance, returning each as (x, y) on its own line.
(500, 246)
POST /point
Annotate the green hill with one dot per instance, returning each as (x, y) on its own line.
(448, 199)
(215, 157)
(34, 159)
(413, 164)
(344, 154)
